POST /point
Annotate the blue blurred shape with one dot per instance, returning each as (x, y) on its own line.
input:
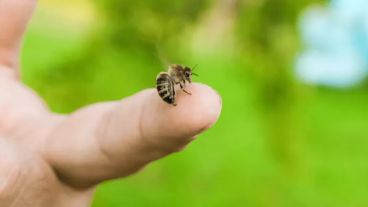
(336, 44)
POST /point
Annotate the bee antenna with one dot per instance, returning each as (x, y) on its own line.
(193, 70)
(194, 67)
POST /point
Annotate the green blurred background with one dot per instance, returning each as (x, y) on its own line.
(278, 143)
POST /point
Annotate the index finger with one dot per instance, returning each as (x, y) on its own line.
(115, 139)
(14, 16)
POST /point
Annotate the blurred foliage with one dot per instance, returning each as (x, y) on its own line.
(145, 24)
(277, 143)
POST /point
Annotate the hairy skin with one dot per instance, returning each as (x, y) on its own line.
(52, 160)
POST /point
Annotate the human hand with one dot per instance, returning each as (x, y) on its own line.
(48, 160)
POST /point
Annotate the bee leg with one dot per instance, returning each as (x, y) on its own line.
(182, 88)
(186, 92)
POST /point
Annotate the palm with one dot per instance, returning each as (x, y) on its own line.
(24, 110)
(25, 124)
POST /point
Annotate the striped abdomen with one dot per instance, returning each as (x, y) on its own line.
(165, 88)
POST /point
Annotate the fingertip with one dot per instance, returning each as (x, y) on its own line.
(175, 126)
(201, 109)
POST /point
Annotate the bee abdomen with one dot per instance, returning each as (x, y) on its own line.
(165, 88)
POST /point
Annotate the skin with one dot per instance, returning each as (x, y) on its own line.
(53, 160)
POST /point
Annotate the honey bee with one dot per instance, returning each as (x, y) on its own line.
(166, 82)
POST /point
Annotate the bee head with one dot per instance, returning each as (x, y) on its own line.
(188, 74)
